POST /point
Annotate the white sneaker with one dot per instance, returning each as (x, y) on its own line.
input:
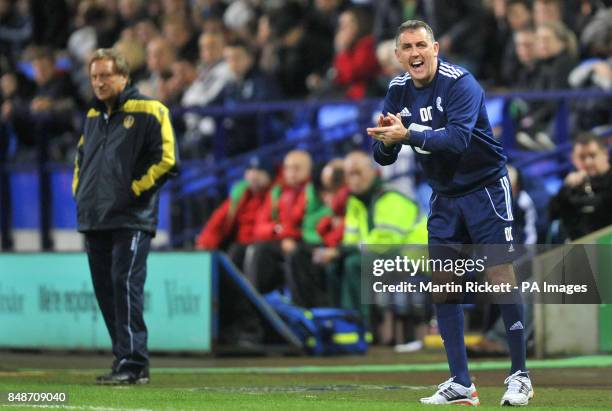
(519, 390)
(450, 392)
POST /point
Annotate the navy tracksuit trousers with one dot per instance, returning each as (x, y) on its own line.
(118, 265)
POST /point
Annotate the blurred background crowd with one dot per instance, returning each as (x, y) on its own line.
(217, 52)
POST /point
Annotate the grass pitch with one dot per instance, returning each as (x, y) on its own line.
(294, 387)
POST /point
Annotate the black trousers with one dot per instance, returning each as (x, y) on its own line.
(305, 279)
(118, 265)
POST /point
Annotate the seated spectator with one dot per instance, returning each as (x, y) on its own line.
(48, 114)
(179, 33)
(231, 227)
(244, 132)
(174, 83)
(300, 54)
(389, 69)
(595, 72)
(556, 52)
(287, 219)
(519, 71)
(334, 194)
(355, 59)
(213, 75)
(15, 33)
(160, 56)
(306, 277)
(547, 11)
(584, 202)
(374, 215)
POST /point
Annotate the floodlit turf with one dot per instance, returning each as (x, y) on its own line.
(198, 391)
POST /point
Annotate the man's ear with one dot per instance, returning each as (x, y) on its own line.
(436, 47)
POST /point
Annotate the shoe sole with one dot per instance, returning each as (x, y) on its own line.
(507, 403)
(472, 402)
(139, 381)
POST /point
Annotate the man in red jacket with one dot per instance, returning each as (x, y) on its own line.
(232, 226)
(287, 219)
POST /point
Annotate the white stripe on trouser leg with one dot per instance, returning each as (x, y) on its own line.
(506, 187)
(134, 248)
(508, 198)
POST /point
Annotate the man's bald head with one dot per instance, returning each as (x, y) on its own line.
(297, 167)
(359, 172)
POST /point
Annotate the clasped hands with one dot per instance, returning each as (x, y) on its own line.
(389, 130)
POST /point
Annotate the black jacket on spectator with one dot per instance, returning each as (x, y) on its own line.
(57, 120)
(122, 161)
(585, 208)
(242, 130)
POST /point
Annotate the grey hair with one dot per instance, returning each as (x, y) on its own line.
(121, 65)
(414, 25)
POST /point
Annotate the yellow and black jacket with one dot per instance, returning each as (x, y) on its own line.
(122, 160)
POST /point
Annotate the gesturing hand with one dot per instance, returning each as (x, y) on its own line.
(389, 130)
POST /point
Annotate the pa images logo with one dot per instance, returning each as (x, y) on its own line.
(128, 121)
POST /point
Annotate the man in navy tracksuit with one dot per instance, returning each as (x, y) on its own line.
(437, 109)
(125, 154)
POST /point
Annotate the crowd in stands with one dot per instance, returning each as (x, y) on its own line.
(216, 52)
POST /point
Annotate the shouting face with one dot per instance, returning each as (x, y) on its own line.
(418, 54)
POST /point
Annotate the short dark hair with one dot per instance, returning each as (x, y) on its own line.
(586, 138)
(240, 44)
(414, 25)
(121, 65)
(524, 3)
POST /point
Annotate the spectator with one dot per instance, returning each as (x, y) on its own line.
(389, 68)
(177, 30)
(174, 83)
(213, 75)
(300, 55)
(355, 60)
(160, 56)
(136, 58)
(556, 53)
(49, 113)
(547, 11)
(50, 22)
(519, 20)
(15, 32)
(374, 215)
(595, 72)
(231, 227)
(243, 131)
(334, 194)
(460, 30)
(519, 70)
(129, 12)
(584, 202)
(146, 31)
(287, 219)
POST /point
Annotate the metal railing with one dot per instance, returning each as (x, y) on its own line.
(216, 176)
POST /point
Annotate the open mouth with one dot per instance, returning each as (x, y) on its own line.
(417, 64)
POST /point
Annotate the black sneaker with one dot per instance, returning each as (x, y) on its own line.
(124, 377)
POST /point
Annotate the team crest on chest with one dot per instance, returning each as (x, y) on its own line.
(128, 121)
(439, 104)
